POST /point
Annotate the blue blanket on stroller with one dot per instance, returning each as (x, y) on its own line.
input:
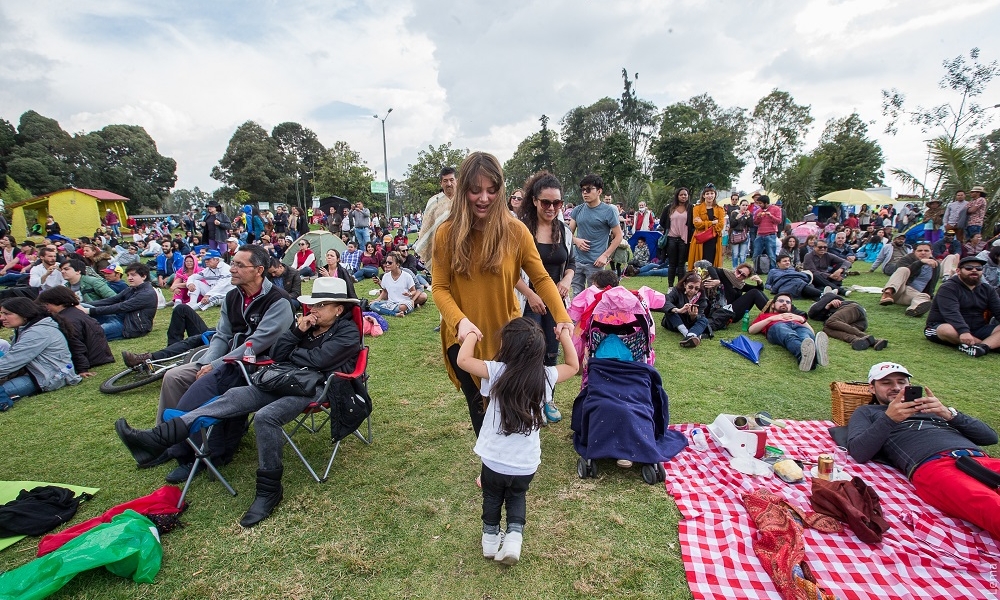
(623, 413)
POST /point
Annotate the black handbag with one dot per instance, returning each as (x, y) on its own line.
(285, 379)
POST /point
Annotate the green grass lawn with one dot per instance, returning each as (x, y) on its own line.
(401, 518)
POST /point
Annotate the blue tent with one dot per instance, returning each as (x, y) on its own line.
(745, 347)
(915, 234)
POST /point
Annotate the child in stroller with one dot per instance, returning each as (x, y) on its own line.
(621, 411)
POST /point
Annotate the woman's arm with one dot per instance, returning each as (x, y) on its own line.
(338, 348)
(531, 263)
(27, 347)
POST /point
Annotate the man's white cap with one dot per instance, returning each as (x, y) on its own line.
(884, 369)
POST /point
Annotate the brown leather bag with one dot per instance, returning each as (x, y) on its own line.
(853, 502)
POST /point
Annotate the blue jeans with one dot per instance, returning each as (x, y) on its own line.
(20, 387)
(790, 336)
(389, 308)
(768, 244)
(10, 279)
(113, 326)
(740, 252)
(361, 233)
(654, 270)
(365, 272)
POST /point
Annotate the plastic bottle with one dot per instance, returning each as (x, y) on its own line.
(746, 321)
(248, 355)
(698, 440)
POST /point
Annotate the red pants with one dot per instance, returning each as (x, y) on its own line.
(940, 484)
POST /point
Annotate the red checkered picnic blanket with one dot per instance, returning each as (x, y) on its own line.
(925, 554)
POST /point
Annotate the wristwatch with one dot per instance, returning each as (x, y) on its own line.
(951, 409)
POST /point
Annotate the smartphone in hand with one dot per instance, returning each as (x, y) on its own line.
(913, 392)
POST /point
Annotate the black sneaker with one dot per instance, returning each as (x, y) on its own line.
(880, 344)
(974, 350)
(862, 344)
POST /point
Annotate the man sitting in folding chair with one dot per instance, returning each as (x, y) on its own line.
(324, 341)
(255, 311)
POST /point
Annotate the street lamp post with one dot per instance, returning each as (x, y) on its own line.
(385, 158)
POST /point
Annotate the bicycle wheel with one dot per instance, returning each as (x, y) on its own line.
(131, 378)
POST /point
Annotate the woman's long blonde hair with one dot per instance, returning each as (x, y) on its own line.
(499, 238)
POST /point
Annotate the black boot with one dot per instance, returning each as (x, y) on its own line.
(147, 445)
(269, 494)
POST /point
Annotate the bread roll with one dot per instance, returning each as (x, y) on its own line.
(788, 470)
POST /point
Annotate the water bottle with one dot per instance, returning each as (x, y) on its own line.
(248, 355)
(698, 440)
(746, 321)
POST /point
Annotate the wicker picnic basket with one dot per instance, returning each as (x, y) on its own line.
(845, 397)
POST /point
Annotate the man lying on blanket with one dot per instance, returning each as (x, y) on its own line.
(933, 444)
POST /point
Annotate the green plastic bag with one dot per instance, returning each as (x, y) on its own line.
(128, 546)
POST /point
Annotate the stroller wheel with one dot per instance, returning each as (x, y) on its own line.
(661, 472)
(581, 468)
(593, 468)
(649, 474)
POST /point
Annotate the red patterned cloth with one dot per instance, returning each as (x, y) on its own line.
(925, 554)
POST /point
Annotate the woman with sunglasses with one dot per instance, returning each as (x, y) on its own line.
(541, 206)
(304, 260)
(399, 290)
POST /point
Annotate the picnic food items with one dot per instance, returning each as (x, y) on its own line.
(788, 471)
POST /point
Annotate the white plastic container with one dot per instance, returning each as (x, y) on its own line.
(736, 442)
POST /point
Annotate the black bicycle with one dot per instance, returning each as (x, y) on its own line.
(148, 372)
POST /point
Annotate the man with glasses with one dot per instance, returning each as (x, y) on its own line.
(254, 311)
(592, 223)
(964, 311)
(828, 270)
(912, 283)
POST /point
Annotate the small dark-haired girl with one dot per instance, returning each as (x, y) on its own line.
(517, 385)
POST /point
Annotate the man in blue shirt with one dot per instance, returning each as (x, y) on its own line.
(592, 224)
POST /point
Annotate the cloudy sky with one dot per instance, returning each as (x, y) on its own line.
(478, 74)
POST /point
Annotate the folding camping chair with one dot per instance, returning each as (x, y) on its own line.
(202, 454)
(318, 414)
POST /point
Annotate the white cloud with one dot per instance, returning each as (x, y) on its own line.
(475, 74)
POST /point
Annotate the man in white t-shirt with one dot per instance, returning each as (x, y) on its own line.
(398, 289)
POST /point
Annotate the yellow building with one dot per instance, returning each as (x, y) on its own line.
(78, 212)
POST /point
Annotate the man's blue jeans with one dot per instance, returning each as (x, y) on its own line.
(361, 233)
(790, 336)
(766, 243)
(113, 326)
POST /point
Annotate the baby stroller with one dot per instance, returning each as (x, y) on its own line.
(622, 409)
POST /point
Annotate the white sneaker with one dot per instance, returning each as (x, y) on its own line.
(822, 348)
(491, 544)
(808, 351)
(510, 552)
(827, 290)
(177, 303)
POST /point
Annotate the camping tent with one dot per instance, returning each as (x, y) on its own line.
(319, 242)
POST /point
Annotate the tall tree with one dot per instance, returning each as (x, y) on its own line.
(45, 157)
(778, 127)
(181, 200)
(618, 165)
(798, 183)
(583, 131)
(524, 162)
(543, 159)
(698, 143)
(637, 121)
(8, 141)
(342, 172)
(124, 159)
(955, 120)
(301, 150)
(422, 178)
(852, 159)
(253, 162)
